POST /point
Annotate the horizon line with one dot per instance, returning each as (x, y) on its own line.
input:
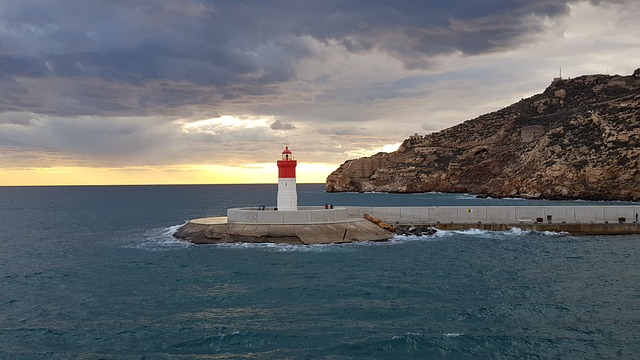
(158, 184)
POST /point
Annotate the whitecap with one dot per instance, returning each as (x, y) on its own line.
(406, 238)
(512, 232)
(465, 197)
(518, 232)
(408, 334)
(472, 232)
(452, 334)
(273, 247)
(160, 239)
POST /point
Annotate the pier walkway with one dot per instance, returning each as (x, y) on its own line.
(583, 220)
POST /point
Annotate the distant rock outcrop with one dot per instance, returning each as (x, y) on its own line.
(579, 139)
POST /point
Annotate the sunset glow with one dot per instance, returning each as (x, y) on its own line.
(189, 174)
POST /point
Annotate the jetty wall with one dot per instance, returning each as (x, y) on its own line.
(501, 214)
(304, 215)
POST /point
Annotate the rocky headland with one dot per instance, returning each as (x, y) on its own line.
(579, 139)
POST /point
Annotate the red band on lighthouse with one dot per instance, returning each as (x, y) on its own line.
(286, 169)
(287, 166)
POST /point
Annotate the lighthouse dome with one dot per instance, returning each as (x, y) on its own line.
(286, 154)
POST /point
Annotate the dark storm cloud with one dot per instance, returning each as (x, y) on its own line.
(410, 29)
(100, 57)
(279, 125)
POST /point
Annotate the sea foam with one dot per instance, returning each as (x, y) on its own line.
(160, 239)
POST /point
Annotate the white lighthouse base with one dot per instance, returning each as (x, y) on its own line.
(287, 195)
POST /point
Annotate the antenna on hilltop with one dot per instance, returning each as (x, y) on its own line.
(558, 78)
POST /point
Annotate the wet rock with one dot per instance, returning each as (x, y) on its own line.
(380, 223)
(415, 231)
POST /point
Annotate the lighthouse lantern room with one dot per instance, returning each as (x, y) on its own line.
(287, 195)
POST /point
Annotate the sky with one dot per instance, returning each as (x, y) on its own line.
(203, 91)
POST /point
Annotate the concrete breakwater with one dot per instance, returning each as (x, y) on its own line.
(305, 226)
(577, 220)
(319, 225)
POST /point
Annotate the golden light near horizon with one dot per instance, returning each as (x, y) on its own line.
(166, 175)
(248, 173)
(226, 126)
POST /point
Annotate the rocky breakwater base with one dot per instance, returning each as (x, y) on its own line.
(305, 226)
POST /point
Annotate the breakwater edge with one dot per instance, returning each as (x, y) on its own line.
(575, 220)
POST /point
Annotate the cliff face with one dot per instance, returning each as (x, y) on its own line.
(579, 139)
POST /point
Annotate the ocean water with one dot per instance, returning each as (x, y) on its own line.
(94, 273)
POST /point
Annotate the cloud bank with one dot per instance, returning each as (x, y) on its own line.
(116, 83)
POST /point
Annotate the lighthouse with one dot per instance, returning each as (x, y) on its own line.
(286, 223)
(287, 195)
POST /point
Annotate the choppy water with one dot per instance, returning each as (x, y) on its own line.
(93, 272)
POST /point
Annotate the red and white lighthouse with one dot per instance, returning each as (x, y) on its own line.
(287, 195)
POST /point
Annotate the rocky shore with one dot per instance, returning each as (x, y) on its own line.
(411, 230)
(579, 139)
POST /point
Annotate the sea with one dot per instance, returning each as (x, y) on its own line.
(93, 272)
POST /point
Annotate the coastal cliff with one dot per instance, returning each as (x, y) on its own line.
(579, 139)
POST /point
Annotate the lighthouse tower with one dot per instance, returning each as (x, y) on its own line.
(287, 195)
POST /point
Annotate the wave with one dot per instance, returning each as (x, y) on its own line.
(452, 334)
(273, 247)
(518, 231)
(160, 239)
(514, 231)
(396, 240)
(417, 334)
(163, 239)
(465, 196)
(415, 344)
(222, 342)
